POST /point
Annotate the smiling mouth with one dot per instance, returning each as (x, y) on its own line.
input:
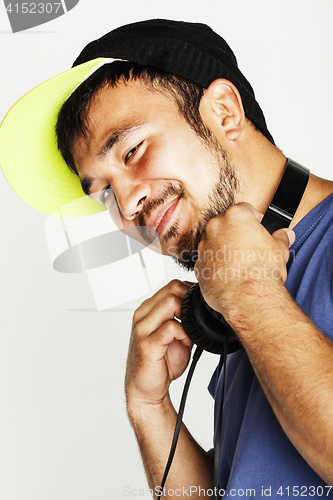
(167, 217)
(163, 216)
(157, 213)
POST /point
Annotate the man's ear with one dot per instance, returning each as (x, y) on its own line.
(221, 109)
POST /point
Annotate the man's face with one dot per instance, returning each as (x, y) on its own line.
(164, 178)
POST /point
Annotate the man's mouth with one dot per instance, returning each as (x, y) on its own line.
(161, 218)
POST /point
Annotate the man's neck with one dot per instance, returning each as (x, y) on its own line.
(260, 166)
(260, 171)
(316, 191)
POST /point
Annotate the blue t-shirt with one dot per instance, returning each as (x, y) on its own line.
(256, 454)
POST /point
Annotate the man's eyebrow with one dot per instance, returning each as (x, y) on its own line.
(117, 136)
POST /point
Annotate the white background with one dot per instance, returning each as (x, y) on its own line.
(63, 427)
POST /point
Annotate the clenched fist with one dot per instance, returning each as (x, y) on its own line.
(159, 349)
(237, 256)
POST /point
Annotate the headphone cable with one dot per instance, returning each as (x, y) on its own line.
(195, 359)
(218, 431)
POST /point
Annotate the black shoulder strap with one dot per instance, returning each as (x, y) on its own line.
(287, 197)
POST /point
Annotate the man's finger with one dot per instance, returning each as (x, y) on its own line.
(175, 287)
(163, 311)
(287, 236)
(258, 215)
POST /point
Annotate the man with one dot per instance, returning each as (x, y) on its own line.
(171, 139)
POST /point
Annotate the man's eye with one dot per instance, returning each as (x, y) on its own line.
(132, 152)
(105, 194)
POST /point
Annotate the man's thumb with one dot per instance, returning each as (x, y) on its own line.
(286, 235)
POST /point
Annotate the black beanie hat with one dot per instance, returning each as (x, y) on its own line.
(191, 51)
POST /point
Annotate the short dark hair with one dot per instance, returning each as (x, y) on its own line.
(73, 120)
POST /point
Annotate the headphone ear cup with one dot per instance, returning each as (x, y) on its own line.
(191, 327)
(204, 326)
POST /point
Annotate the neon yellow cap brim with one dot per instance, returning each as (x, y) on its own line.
(29, 156)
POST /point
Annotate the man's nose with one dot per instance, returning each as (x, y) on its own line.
(130, 199)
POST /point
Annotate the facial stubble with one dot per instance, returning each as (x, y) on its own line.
(221, 196)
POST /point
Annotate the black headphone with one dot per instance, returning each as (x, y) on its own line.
(208, 328)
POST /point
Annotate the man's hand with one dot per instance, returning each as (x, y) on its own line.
(292, 359)
(159, 348)
(237, 255)
(159, 352)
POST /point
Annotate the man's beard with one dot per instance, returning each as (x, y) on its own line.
(221, 197)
